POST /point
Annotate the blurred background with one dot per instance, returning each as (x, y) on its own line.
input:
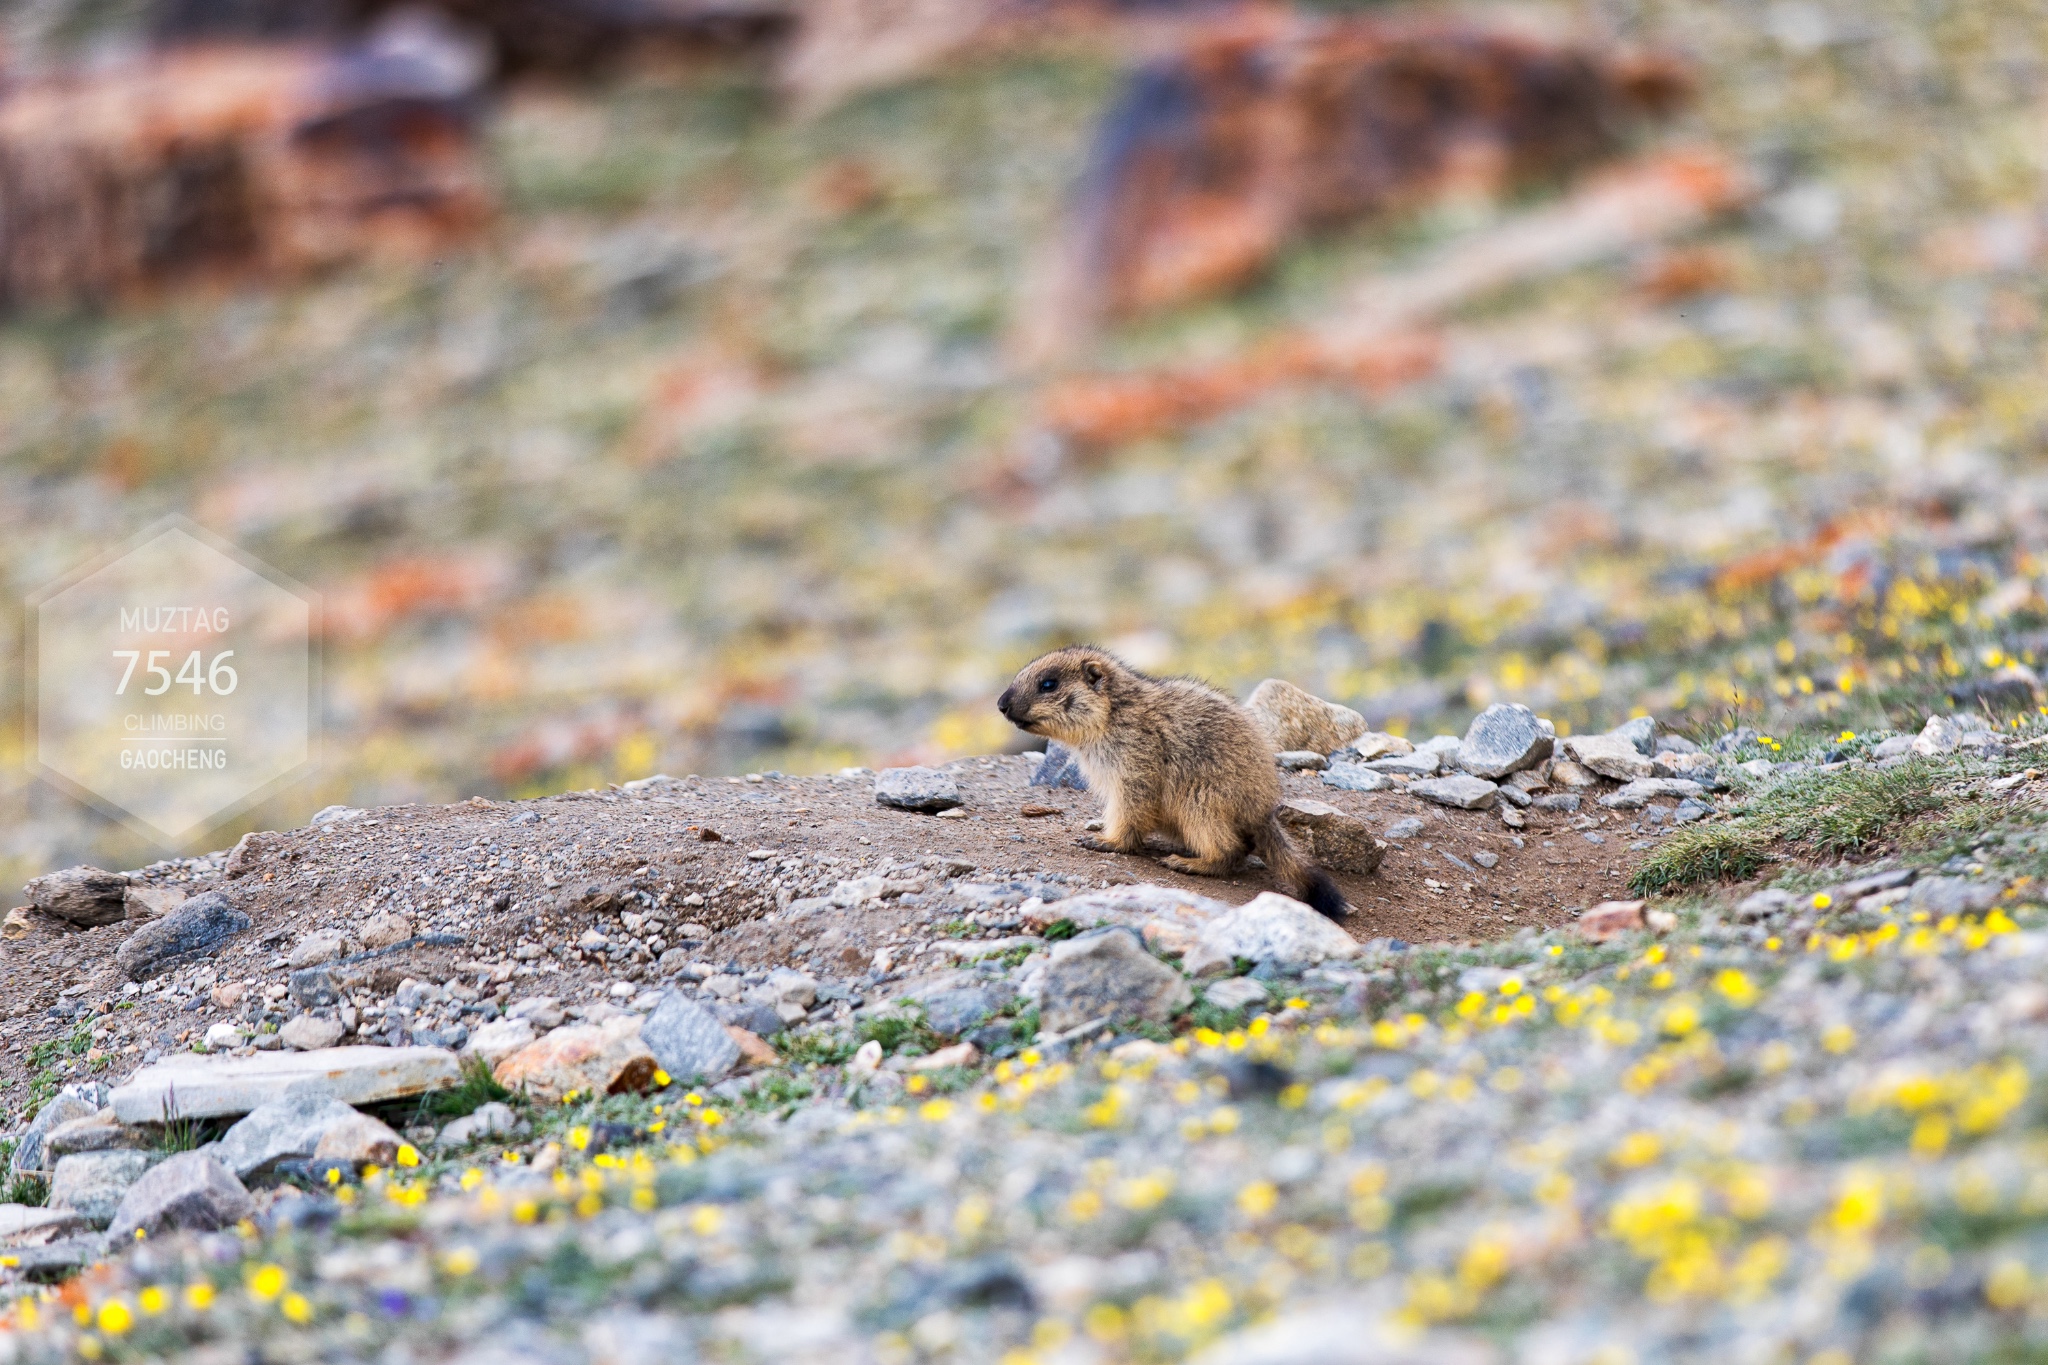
(727, 385)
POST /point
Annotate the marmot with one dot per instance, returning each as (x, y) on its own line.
(1169, 756)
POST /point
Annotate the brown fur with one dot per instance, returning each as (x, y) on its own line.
(1169, 756)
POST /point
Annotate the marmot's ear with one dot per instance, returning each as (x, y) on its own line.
(1093, 672)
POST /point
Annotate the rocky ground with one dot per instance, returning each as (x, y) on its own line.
(972, 1093)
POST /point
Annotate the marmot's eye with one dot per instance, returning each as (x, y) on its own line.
(1048, 684)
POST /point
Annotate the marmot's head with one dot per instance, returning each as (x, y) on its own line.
(1064, 695)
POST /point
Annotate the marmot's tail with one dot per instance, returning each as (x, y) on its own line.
(1303, 879)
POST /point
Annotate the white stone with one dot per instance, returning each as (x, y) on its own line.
(207, 1087)
(1269, 928)
(1614, 756)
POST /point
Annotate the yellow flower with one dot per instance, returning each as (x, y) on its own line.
(115, 1317)
(2008, 1285)
(579, 1138)
(1735, 987)
(461, 1261)
(408, 1155)
(1838, 1039)
(199, 1296)
(296, 1309)
(268, 1282)
(1638, 1149)
(154, 1299)
(935, 1111)
(1256, 1200)
(1105, 1322)
(661, 1077)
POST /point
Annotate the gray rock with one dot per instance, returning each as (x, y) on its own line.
(1504, 738)
(542, 1011)
(1406, 828)
(1641, 732)
(99, 1132)
(1462, 791)
(1940, 896)
(310, 1033)
(191, 1086)
(21, 1223)
(454, 1037)
(1059, 768)
(1443, 746)
(313, 987)
(1691, 809)
(1982, 744)
(1893, 747)
(1421, 763)
(921, 789)
(1294, 719)
(84, 896)
(1270, 928)
(318, 948)
(1515, 796)
(1941, 735)
(1644, 790)
(1108, 975)
(1301, 761)
(760, 1020)
(91, 1184)
(1236, 993)
(1733, 740)
(1612, 755)
(689, 1042)
(1757, 767)
(1373, 744)
(60, 1259)
(28, 1151)
(1564, 802)
(190, 932)
(1355, 777)
(1675, 744)
(1486, 858)
(1340, 842)
(282, 1130)
(491, 1120)
(954, 1010)
(1874, 881)
(1764, 904)
(190, 1192)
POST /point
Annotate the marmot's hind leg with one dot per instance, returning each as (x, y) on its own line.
(1217, 849)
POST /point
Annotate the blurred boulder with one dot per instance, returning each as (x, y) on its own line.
(230, 161)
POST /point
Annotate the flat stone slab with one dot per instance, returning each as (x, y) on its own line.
(1355, 777)
(923, 789)
(21, 1223)
(208, 1087)
(1644, 790)
(1614, 756)
(1420, 763)
(1463, 792)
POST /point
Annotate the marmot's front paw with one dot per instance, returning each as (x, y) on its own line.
(1193, 867)
(1099, 845)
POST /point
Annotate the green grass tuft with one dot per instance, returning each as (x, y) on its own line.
(1834, 814)
(1704, 853)
(478, 1088)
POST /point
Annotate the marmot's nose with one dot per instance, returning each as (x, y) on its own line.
(1003, 702)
